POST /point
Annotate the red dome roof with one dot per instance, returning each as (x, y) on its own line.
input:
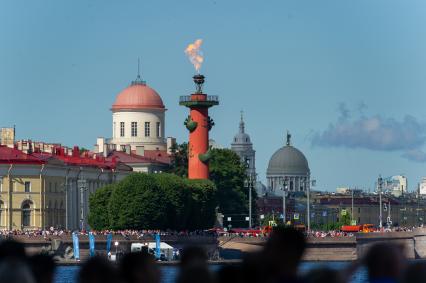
(138, 96)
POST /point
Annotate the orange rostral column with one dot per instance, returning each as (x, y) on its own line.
(198, 124)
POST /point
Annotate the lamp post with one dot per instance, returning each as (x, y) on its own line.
(249, 184)
(379, 185)
(352, 208)
(284, 188)
(308, 202)
(116, 248)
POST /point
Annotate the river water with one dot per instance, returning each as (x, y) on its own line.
(67, 274)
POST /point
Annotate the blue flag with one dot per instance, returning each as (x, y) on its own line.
(108, 243)
(91, 244)
(157, 246)
(75, 246)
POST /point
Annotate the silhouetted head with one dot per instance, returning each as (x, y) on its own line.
(323, 275)
(230, 274)
(284, 251)
(193, 256)
(415, 273)
(254, 267)
(98, 270)
(15, 270)
(42, 267)
(139, 267)
(12, 249)
(385, 261)
(195, 274)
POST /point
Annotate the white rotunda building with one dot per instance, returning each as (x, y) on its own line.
(138, 119)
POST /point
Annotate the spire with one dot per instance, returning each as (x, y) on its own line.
(242, 123)
(288, 143)
(138, 80)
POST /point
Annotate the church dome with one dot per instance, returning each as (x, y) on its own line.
(241, 138)
(288, 160)
(138, 96)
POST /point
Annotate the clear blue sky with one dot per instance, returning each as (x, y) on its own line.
(341, 75)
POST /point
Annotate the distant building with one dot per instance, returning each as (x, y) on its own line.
(242, 146)
(214, 145)
(395, 185)
(422, 187)
(288, 167)
(138, 130)
(343, 190)
(7, 136)
(42, 189)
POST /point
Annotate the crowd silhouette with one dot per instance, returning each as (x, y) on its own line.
(277, 262)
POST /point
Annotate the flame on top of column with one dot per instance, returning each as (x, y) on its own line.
(195, 55)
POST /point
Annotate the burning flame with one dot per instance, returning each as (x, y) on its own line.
(193, 51)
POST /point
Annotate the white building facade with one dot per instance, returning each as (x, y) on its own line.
(138, 119)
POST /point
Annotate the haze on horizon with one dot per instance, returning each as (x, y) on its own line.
(346, 78)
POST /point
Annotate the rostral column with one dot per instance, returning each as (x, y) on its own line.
(198, 124)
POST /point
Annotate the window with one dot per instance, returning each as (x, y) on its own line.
(27, 187)
(121, 129)
(147, 129)
(26, 214)
(1, 213)
(359, 209)
(113, 130)
(158, 130)
(134, 129)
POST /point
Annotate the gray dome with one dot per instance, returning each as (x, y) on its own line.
(288, 160)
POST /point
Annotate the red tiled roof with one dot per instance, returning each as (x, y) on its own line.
(11, 155)
(159, 155)
(80, 161)
(134, 158)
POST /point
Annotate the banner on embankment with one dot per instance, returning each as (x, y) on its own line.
(76, 247)
(157, 246)
(91, 244)
(108, 243)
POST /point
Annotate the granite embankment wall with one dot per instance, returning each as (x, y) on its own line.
(336, 249)
(318, 249)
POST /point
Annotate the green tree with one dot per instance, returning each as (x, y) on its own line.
(229, 174)
(177, 199)
(179, 159)
(98, 203)
(154, 201)
(345, 219)
(203, 204)
(138, 202)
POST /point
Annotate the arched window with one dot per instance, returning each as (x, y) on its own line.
(61, 210)
(56, 215)
(1, 213)
(26, 213)
(49, 210)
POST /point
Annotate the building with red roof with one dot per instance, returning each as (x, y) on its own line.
(51, 188)
(138, 130)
